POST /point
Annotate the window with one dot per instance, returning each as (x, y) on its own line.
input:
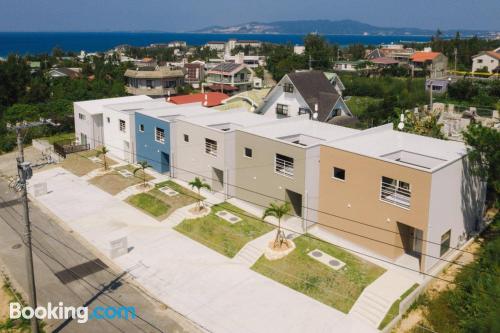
(149, 84)
(248, 152)
(395, 191)
(186, 138)
(283, 165)
(141, 127)
(445, 242)
(211, 147)
(304, 111)
(109, 120)
(282, 109)
(122, 125)
(159, 135)
(288, 87)
(81, 116)
(338, 173)
(479, 61)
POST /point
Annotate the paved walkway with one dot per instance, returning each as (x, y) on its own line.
(216, 292)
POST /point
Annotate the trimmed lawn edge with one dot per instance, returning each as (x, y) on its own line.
(394, 309)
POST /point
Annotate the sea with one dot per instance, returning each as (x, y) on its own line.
(43, 42)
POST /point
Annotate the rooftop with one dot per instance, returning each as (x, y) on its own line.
(212, 98)
(410, 150)
(160, 73)
(226, 68)
(230, 120)
(171, 112)
(96, 106)
(301, 131)
(424, 56)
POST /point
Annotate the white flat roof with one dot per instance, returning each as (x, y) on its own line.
(301, 131)
(230, 120)
(96, 106)
(407, 149)
(174, 111)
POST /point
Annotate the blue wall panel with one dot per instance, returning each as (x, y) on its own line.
(148, 149)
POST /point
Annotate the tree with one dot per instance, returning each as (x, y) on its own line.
(198, 184)
(103, 151)
(484, 155)
(426, 125)
(278, 211)
(319, 51)
(143, 165)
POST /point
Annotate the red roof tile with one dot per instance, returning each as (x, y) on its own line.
(424, 56)
(213, 98)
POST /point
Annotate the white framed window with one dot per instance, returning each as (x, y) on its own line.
(81, 116)
(159, 135)
(121, 125)
(288, 87)
(396, 192)
(186, 138)
(282, 109)
(338, 173)
(283, 165)
(109, 120)
(141, 128)
(248, 152)
(211, 147)
(445, 243)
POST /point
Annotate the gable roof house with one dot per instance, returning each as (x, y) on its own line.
(230, 77)
(336, 82)
(487, 59)
(304, 92)
(434, 62)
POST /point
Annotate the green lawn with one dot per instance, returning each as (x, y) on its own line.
(222, 236)
(394, 309)
(59, 137)
(338, 289)
(149, 204)
(358, 104)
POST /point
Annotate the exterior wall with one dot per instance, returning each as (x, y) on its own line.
(456, 204)
(484, 60)
(190, 158)
(358, 199)
(256, 180)
(115, 139)
(147, 148)
(278, 96)
(159, 87)
(92, 126)
(311, 196)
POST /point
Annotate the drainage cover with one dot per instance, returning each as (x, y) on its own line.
(317, 254)
(16, 246)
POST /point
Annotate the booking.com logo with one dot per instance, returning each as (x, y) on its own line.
(82, 314)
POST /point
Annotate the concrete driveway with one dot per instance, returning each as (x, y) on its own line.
(210, 289)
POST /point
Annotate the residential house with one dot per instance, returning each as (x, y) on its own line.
(88, 117)
(154, 133)
(438, 85)
(230, 77)
(35, 66)
(336, 82)
(207, 99)
(251, 61)
(146, 62)
(384, 62)
(488, 61)
(435, 63)
(155, 82)
(399, 196)
(299, 49)
(280, 162)
(347, 66)
(195, 73)
(206, 147)
(304, 92)
(217, 46)
(396, 52)
(72, 73)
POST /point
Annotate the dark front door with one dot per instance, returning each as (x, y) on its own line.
(295, 200)
(411, 239)
(165, 162)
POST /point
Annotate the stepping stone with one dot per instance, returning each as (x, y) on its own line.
(168, 191)
(326, 259)
(125, 173)
(227, 216)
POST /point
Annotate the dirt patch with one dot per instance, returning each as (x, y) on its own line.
(113, 182)
(80, 164)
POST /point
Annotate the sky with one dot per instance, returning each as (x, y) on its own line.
(187, 15)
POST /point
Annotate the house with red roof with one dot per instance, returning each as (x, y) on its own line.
(487, 61)
(435, 63)
(208, 99)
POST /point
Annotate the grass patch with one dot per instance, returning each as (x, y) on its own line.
(114, 183)
(394, 309)
(149, 204)
(59, 137)
(359, 104)
(79, 163)
(222, 236)
(338, 289)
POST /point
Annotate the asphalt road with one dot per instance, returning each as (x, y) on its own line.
(65, 270)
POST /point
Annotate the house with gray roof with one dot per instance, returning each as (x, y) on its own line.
(230, 77)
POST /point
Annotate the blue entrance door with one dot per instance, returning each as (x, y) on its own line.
(165, 162)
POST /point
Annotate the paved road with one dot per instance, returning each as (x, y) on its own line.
(56, 250)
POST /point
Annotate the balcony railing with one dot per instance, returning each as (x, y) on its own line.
(283, 167)
(395, 195)
(211, 148)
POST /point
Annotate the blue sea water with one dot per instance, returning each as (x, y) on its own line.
(44, 42)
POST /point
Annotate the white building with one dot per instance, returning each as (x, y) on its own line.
(299, 49)
(488, 59)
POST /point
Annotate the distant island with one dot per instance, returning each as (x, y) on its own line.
(342, 27)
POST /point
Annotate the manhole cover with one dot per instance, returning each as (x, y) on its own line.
(234, 219)
(16, 246)
(223, 213)
(334, 262)
(317, 254)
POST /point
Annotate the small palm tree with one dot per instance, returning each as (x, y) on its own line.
(143, 165)
(199, 184)
(278, 211)
(103, 151)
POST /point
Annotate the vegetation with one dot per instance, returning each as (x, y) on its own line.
(278, 211)
(113, 182)
(149, 203)
(423, 124)
(79, 163)
(198, 184)
(143, 165)
(338, 289)
(394, 309)
(471, 305)
(222, 236)
(102, 152)
(482, 93)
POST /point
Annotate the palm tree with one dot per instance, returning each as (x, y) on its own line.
(278, 211)
(199, 184)
(103, 151)
(143, 165)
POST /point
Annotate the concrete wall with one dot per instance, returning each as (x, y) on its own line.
(147, 148)
(256, 179)
(114, 139)
(456, 204)
(352, 206)
(91, 126)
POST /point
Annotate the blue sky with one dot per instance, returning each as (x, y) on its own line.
(185, 15)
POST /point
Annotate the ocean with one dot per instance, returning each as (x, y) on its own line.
(44, 42)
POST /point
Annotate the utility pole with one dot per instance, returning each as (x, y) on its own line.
(25, 172)
(310, 63)
(455, 52)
